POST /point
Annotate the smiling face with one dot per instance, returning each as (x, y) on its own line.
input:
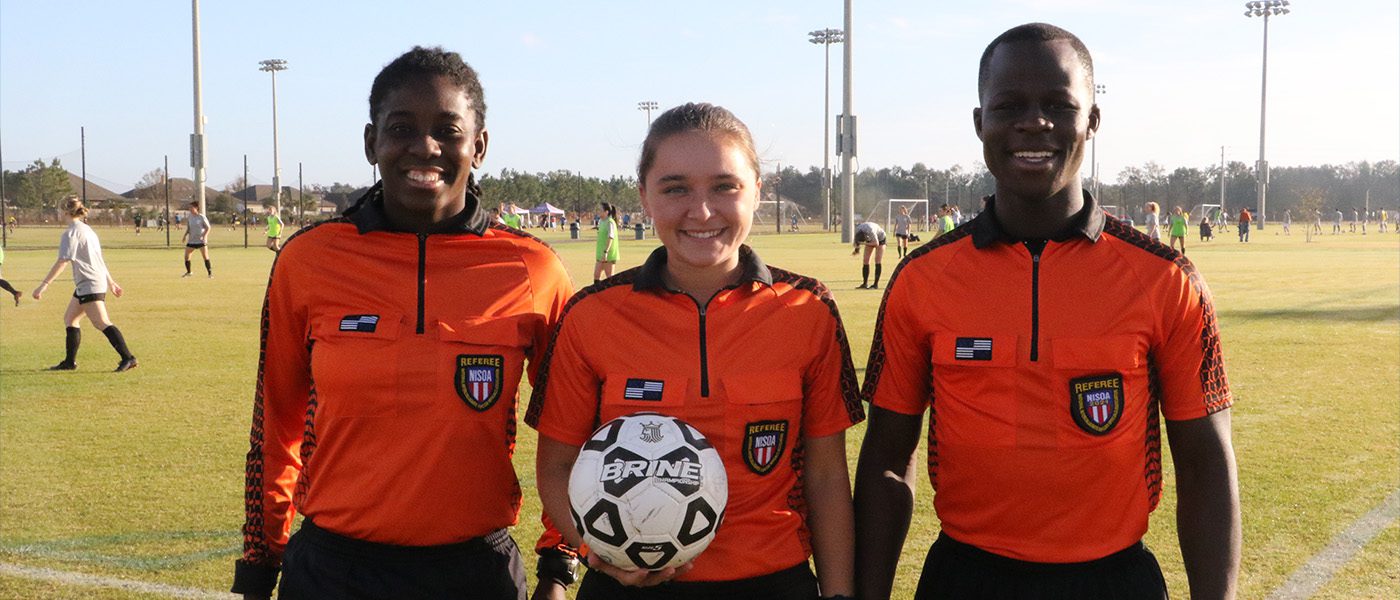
(701, 190)
(1037, 114)
(426, 142)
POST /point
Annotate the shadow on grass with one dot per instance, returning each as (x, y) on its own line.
(1356, 314)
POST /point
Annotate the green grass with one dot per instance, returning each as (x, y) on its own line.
(139, 475)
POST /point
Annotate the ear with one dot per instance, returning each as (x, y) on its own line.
(1093, 122)
(479, 148)
(369, 144)
(977, 121)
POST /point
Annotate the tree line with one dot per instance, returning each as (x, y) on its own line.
(1345, 187)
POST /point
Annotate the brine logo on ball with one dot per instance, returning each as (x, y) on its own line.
(622, 470)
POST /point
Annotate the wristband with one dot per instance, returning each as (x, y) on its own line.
(558, 567)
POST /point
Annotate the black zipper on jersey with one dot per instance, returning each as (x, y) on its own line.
(422, 276)
(704, 356)
(1035, 247)
(704, 353)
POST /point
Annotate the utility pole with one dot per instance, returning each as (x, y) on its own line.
(82, 144)
(169, 222)
(1222, 182)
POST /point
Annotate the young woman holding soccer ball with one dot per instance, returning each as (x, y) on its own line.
(752, 356)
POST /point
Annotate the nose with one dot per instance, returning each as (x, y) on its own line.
(425, 146)
(1034, 120)
(700, 209)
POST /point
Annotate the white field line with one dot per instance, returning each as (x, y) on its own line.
(84, 580)
(1319, 569)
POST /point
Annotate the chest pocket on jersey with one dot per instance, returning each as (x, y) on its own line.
(764, 416)
(1099, 375)
(483, 358)
(354, 363)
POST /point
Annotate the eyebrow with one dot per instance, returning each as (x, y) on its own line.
(408, 113)
(666, 178)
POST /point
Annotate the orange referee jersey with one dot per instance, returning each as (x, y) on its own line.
(1044, 368)
(387, 386)
(758, 369)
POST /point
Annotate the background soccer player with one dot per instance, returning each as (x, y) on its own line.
(91, 281)
(274, 230)
(196, 237)
(766, 366)
(394, 340)
(869, 237)
(1046, 338)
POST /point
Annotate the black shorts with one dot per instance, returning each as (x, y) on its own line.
(795, 583)
(902, 236)
(195, 245)
(87, 298)
(957, 570)
(321, 565)
(864, 238)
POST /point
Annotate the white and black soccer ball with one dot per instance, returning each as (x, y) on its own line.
(648, 491)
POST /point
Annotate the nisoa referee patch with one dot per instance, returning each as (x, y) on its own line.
(763, 445)
(479, 379)
(1096, 402)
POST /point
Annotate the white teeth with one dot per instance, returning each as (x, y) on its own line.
(423, 176)
(1034, 154)
(703, 235)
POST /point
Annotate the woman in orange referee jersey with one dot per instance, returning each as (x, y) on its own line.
(753, 356)
(393, 342)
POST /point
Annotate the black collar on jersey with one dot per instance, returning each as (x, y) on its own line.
(368, 213)
(651, 275)
(986, 230)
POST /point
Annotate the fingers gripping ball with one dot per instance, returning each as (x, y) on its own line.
(648, 491)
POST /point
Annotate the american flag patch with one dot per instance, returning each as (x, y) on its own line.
(973, 349)
(360, 323)
(643, 389)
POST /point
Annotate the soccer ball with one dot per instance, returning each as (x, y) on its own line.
(648, 491)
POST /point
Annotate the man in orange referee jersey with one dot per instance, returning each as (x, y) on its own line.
(1046, 340)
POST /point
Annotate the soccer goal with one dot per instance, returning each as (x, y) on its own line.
(1214, 212)
(915, 223)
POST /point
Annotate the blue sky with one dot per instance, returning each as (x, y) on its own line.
(563, 79)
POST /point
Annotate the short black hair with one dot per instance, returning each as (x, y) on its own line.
(428, 62)
(1034, 32)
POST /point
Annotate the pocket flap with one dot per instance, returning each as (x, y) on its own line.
(486, 331)
(968, 350)
(353, 324)
(1105, 352)
(763, 387)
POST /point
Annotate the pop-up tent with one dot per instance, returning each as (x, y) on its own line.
(546, 209)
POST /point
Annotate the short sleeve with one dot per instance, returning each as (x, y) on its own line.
(65, 245)
(1190, 368)
(897, 374)
(831, 395)
(564, 404)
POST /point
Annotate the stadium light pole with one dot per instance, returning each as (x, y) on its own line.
(273, 65)
(1099, 88)
(648, 106)
(197, 138)
(826, 37)
(1266, 9)
(847, 149)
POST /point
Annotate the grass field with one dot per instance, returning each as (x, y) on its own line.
(139, 475)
